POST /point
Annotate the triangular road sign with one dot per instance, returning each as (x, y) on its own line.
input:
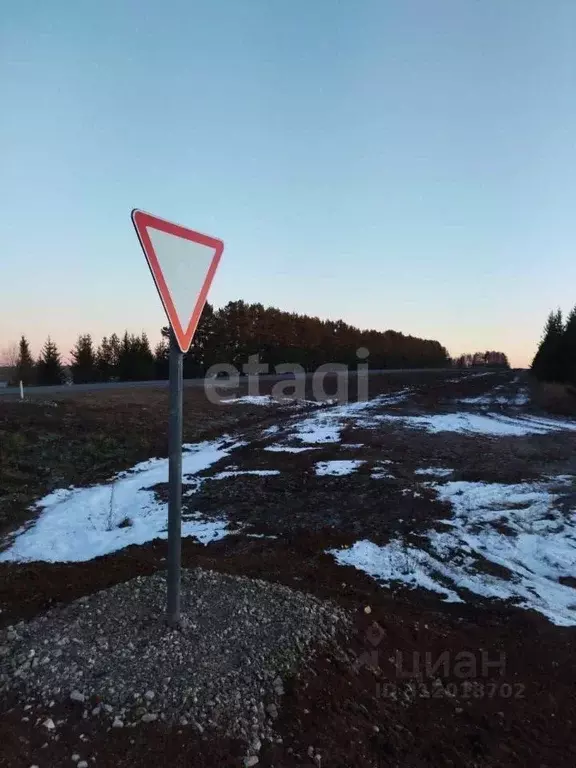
(183, 263)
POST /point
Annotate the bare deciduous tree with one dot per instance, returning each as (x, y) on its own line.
(9, 355)
(9, 361)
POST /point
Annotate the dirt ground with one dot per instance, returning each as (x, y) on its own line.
(83, 438)
(512, 704)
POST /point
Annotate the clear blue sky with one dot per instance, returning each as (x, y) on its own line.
(405, 164)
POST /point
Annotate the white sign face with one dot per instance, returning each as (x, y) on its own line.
(183, 263)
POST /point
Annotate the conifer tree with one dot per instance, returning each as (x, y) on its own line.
(104, 365)
(25, 369)
(547, 364)
(161, 360)
(135, 358)
(124, 358)
(142, 359)
(49, 369)
(115, 355)
(83, 363)
(568, 349)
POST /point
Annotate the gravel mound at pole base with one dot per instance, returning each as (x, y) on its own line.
(113, 654)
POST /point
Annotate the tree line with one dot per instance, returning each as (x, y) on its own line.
(555, 359)
(116, 359)
(490, 359)
(231, 335)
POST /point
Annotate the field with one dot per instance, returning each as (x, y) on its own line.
(424, 541)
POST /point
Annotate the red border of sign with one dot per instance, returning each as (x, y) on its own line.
(142, 221)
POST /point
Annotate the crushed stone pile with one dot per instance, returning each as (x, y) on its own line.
(112, 653)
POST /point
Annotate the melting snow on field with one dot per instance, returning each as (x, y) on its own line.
(483, 424)
(380, 472)
(288, 448)
(337, 467)
(394, 562)
(315, 431)
(518, 399)
(518, 528)
(271, 400)
(435, 471)
(79, 524)
(237, 472)
(326, 426)
(249, 400)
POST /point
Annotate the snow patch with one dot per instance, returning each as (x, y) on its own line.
(271, 400)
(394, 562)
(515, 527)
(236, 473)
(483, 424)
(379, 471)
(80, 524)
(314, 431)
(288, 448)
(326, 426)
(518, 399)
(396, 398)
(250, 400)
(337, 467)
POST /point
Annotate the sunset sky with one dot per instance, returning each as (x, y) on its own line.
(399, 164)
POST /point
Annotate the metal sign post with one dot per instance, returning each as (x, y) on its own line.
(183, 263)
(174, 482)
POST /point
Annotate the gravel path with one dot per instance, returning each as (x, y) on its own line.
(113, 655)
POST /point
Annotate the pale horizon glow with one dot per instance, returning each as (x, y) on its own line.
(403, 166)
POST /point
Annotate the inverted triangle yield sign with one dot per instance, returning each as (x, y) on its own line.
(183, 263)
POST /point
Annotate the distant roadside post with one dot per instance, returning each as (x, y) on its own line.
(183, 263)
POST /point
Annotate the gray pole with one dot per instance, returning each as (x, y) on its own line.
(174, 483)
